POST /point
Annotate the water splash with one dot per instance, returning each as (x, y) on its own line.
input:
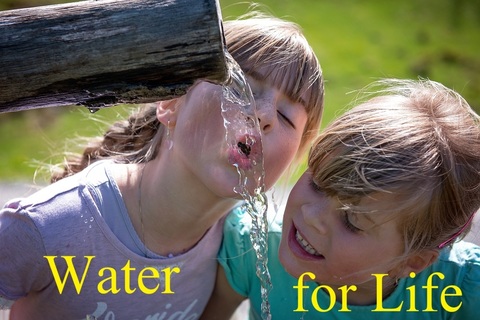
(93, 109)
(243, 135)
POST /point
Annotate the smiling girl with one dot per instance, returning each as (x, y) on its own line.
(370, 230)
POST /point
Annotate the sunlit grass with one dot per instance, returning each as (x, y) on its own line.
(355, 41)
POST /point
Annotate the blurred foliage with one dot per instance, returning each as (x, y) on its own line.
(357, 41)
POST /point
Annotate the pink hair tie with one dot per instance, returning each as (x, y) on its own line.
(443, 244)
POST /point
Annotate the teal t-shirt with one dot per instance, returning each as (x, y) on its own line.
(457, 266)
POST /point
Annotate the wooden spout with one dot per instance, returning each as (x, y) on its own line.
(106, 52)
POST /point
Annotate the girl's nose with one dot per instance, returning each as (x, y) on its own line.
(266, 111)
(316, 217)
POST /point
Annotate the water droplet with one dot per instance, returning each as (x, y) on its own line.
(93, 109)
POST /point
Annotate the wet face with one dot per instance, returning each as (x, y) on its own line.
(200, 143)
(282, 123)
(339, 246)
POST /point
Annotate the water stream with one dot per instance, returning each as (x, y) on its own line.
(243, 136)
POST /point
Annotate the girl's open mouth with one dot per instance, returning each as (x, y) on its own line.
(245, 148)
(245, 153)
(300, 247)
(306, 245)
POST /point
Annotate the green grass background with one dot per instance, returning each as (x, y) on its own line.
(356, 41)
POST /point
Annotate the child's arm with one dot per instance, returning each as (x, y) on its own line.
(224, 300)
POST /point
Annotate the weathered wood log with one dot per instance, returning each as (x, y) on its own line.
(101, 53)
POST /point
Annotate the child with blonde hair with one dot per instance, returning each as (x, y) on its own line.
(132, 227)
(371, 230)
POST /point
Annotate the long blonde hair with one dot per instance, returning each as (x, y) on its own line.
(418, 140)
(255, 41)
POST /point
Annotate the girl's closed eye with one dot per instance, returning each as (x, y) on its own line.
(286, 119)
(348, 223)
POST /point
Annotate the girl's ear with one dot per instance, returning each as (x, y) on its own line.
(167, 111)
(419, 261)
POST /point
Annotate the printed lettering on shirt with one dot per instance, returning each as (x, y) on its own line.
(103, 312)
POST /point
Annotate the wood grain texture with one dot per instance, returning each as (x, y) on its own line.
(101, 53)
